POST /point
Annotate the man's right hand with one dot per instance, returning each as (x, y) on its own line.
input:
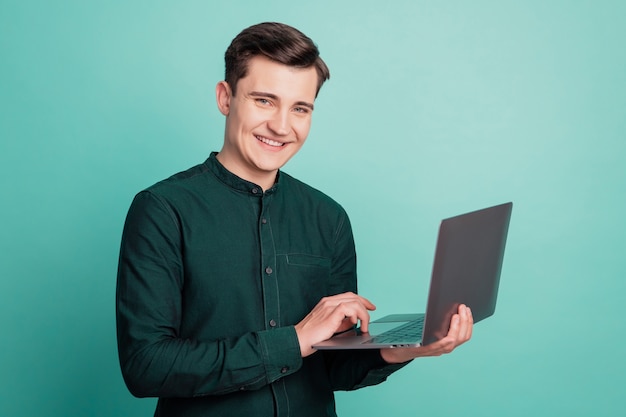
(332, 315)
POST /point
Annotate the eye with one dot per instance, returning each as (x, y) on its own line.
(302, 110)
(263, 101)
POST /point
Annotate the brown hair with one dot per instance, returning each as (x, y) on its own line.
(280, 43)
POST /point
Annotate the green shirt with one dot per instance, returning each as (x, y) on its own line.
(214, 273)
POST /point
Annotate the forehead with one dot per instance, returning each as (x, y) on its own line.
(282, 80)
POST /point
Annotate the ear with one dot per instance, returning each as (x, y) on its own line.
(223, 94)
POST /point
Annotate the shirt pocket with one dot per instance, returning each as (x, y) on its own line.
(301, 259)
(304, 281)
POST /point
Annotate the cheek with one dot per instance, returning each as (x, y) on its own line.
(246, 118)
(302, 127)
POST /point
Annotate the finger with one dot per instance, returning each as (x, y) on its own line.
(346, 324)
(471, 323)
(450, 341)
(455, 324)
(367, 303)
(354, 311)
(468, 325)
(365, 323)
(349, 297)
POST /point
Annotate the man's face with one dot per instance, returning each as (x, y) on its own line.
(268, 119)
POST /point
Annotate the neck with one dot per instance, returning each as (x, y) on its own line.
(263, 179)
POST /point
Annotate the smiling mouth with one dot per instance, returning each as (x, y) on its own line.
(269, 141)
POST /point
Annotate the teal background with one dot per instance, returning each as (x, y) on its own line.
(433, 109)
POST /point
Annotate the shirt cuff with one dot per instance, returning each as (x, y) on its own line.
(281, 352)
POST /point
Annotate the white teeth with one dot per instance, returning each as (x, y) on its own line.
(269, 141)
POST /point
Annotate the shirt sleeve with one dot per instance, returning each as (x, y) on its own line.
(155, 360)
(352, 369)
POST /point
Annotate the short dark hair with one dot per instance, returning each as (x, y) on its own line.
(278, 42)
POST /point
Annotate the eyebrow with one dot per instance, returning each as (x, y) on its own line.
(275, 97)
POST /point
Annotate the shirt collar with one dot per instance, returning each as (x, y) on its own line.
(235, 182)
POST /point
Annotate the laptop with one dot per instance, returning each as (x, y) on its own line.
(466, 270)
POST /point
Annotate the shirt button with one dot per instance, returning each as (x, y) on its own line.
(273, 323)
(255, 191)
(263, 220)
(284, 370)
(268, 270)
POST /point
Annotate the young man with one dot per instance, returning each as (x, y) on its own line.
(230, 271)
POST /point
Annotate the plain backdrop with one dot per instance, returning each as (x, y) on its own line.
(432, 109)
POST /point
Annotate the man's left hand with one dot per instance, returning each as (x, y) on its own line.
(461, 326)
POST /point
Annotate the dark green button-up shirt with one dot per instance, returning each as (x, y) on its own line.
(214, 273)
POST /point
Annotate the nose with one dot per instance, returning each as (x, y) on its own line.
(279, 123)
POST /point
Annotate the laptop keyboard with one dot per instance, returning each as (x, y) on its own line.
(410, 332)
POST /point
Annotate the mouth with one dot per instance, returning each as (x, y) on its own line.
(269, 141)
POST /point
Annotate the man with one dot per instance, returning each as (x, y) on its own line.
(230, 271)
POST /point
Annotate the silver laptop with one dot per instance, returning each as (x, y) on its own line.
(466, 270)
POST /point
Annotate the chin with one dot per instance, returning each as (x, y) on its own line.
(273, 165)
